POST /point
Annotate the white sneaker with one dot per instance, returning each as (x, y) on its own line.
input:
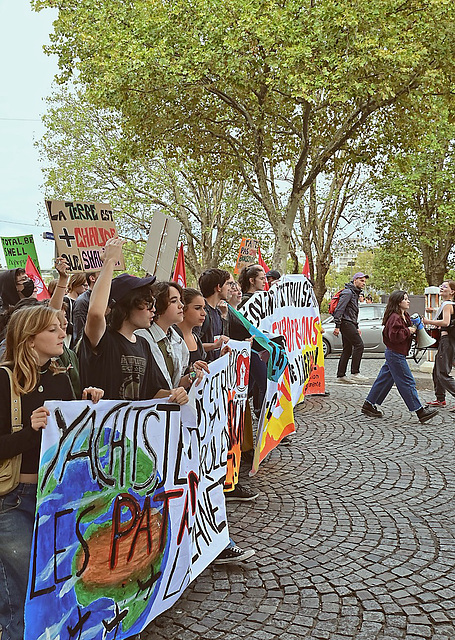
(343, 380)
(358, 377)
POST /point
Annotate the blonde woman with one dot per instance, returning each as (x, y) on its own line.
(34, 338)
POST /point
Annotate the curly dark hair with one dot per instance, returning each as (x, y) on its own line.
(135, 299)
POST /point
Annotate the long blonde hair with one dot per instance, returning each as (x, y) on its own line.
(23, 326)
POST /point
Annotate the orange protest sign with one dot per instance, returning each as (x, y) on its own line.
(248, 254)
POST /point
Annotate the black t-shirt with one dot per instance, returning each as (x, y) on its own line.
(213, 326)
(28, 441)
(121, 367)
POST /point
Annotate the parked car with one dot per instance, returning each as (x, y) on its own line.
(370, 324)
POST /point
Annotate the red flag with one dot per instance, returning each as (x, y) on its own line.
(262, 264)
(306, 268)
(180, 273)
(41, 292)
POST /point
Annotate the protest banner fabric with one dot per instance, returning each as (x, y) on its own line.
(277, 361)
(17, 249)
(237, 384)
(247, 254)
(81, 230)
(290, 309)
(130, 509)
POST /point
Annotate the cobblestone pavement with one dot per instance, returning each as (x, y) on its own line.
(354, 532)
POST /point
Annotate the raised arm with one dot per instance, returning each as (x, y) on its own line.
(95, 325)
(62, 267)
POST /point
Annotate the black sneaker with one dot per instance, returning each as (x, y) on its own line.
(426, 413)
(371, 410)
(241, 494)
(234, 554)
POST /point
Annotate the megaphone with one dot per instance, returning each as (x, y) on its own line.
(423, 340)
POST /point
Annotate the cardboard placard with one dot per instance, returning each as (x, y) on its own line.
(248, 254)
(161, 246)
(17, 249)
(81, 230)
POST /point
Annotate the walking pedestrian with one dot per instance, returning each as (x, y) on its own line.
(346, 317)
(397, 336)
(445, 321)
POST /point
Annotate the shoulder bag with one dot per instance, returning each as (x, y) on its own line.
(11, 467)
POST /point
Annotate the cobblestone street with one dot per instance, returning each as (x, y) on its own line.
(354, 532)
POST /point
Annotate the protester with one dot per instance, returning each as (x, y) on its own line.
(346, 317)
(193, 316)
(397, 335)
(251, 279)
(361, 297)
(14, 285)
(272, 276)
(214, 285)
(111, 355)
(34, 338)
(168, 348)
(80, 308)
(445, 320)
(76, 286)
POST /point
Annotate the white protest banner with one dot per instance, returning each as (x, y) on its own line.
(237, 389)
(289, 309)
(81, 230)
(130, 509)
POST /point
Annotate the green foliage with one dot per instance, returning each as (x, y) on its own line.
(398, 267)
(87, 156)
(417, 191)
(271, 89)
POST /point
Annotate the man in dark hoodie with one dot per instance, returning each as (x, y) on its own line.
(346, 317)
(14, 286)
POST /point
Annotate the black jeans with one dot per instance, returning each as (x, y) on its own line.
(352, 345)
(442, 379)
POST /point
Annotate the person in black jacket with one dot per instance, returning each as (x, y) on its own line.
(346, 317)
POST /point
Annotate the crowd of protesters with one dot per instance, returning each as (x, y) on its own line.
(101, 336)
(131, 338)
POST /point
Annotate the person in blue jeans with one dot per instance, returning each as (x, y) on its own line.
(397, 335)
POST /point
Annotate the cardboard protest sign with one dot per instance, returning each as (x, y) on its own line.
(289, 309)
(81, 231)
(161, 245)
(248, 254)
(130, 509)
(17, 249)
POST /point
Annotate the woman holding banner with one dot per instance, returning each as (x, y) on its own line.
(28, 377)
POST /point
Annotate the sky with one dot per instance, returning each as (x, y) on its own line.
(26, 79)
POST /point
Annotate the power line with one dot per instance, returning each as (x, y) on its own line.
(20, 120)
(24, 224)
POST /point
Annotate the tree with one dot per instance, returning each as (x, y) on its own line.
(86, 156)
(272, 89)
(416, 190)
(332, 208)
(401, 269)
